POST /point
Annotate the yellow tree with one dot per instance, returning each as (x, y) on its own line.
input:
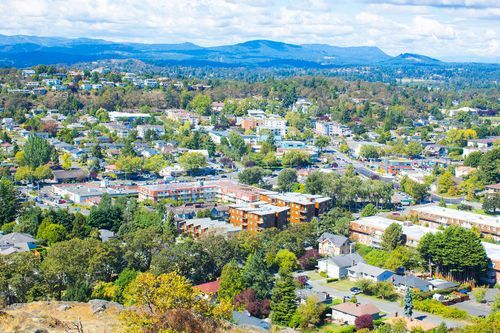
(169, 303)
(66, 161)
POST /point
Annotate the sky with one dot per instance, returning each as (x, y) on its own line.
(451, 30)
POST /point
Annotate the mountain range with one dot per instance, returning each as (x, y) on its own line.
(26, 51)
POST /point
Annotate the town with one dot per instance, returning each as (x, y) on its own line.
(313, 203)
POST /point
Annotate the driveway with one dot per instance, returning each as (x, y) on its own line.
(390, 308)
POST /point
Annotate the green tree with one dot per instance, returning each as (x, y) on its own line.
(491, 203)
(202, 104)
(252, 176)
(192, 161)
(66, 161)
(286, 179)
(416, 190)
(8, 201)
(321, 142)
(369, 152)
(413, 149)
(296, 158)
(286, 260)
(473, 159)
(445, 182)
(105, 215)
(489, 166)
(392, 237)
(309, 313)
(283, 300)
(51, 232)
(479, 294)
(315, 183)
(128, 164)
(335, 221)
(231, 281)
(36, 151)
(42, 172)
(369, 210)
(257, 276)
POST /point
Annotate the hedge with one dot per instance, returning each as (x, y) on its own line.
(435, 307)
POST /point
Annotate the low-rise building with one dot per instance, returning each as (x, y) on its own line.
(348, 312)
(333, 245)
(365, 271)
(436, 216)
(257, 216)
(337, 267)
(203, 227)
(303, 207)
(16, 242)
(143, 129)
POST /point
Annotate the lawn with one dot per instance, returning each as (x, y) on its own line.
(344, 285)
(315, 276)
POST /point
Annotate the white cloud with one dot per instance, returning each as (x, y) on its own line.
(433, 27)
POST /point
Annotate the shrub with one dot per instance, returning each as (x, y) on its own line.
(437, 308)
(346, 329)
(464, 207)
(309, 260)
(364, 321)
(331, 280)
(301, 280)
(323, 274)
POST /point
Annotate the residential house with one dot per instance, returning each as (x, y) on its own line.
(16, 242)
(365, 271)
(402, 283)
(333, 245)
(337, 267)
(348, 312)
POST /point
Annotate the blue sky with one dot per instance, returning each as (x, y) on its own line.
(464, 30)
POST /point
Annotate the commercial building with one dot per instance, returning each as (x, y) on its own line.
(435, 216)
(303, 207)
(257, 216)
(87, 192)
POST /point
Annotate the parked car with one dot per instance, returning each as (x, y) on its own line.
(355, 290)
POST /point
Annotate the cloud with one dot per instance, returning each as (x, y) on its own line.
(434, 27)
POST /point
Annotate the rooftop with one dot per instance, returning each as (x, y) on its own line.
(260, 208)
(458, 214)
(356, 309)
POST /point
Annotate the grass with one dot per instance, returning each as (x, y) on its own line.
(315, 276)
(344, 285)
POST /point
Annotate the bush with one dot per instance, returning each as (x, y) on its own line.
(364, 321)
(309, 260)
(437, 308)
(323, 274)
(331, 280)
(346, 329)
(464, 207)
(336, 301)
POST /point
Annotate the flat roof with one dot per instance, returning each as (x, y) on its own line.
(260, 208)
(412, 231)
(301, 198)
(459, 214)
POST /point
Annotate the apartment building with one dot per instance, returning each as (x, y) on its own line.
(203, 227)
(435, 216)
(369, 231)
(332, 128)
(275, 124)
(257, 216)
(222, 191)
(303, 207)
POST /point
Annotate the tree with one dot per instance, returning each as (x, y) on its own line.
(413, 149)
(283, 300)
(491, 203)
(321, 142)
(23, 173)
(473, 159)
(42, 172)
(296, 158)
(202, 104)
(252, 176)
(479, 294)
(369, 210)
(66, 161)
(105, 215)
(286, 179)
(8, 201)
(257, 276)
(392, 237)
(364, 322)
(456, 252)
(51, 232)
(36, 151)
(417, 191)
(445, 182)
(286, 260)
(192, 161)
(315, 183)
(369, 152)
(489, 167)
(408, 303)
(129, 164)
(309, 313)
(335, 221)
(231, 281)
(169, 303)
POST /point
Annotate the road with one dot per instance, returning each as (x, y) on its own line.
(388, 307)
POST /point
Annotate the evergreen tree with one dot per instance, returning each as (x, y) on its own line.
(283, 300)
(8, 201)
(408, 303)
(231, 281)
(392, 237)
(37, 151)
(256, 275)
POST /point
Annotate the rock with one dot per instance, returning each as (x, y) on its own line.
(64, 307)
(98, 305)
(41, 330)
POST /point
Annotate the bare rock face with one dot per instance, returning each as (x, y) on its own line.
(100, 305)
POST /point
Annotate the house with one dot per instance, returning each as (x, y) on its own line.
(404, 282)
(440, 284)
(16, 242)
(105, 235)
(72, 175)
(143, 129)
(209, 288)
(365, 271)
(333, 245)
(348, 312)
(337, 267)
(245, 321)
(320, 296)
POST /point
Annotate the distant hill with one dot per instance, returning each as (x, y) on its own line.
(25, 51)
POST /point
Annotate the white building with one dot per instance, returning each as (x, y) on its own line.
(275, 124)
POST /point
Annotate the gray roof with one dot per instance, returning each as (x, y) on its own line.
(368, 269)
(410, 281)
(346, 260)
(306, 293)
(335, 239)
(244, 319)
(16, 238)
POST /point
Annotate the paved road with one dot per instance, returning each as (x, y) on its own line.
(388, 307)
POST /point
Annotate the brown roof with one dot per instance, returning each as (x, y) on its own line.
(356, 309)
